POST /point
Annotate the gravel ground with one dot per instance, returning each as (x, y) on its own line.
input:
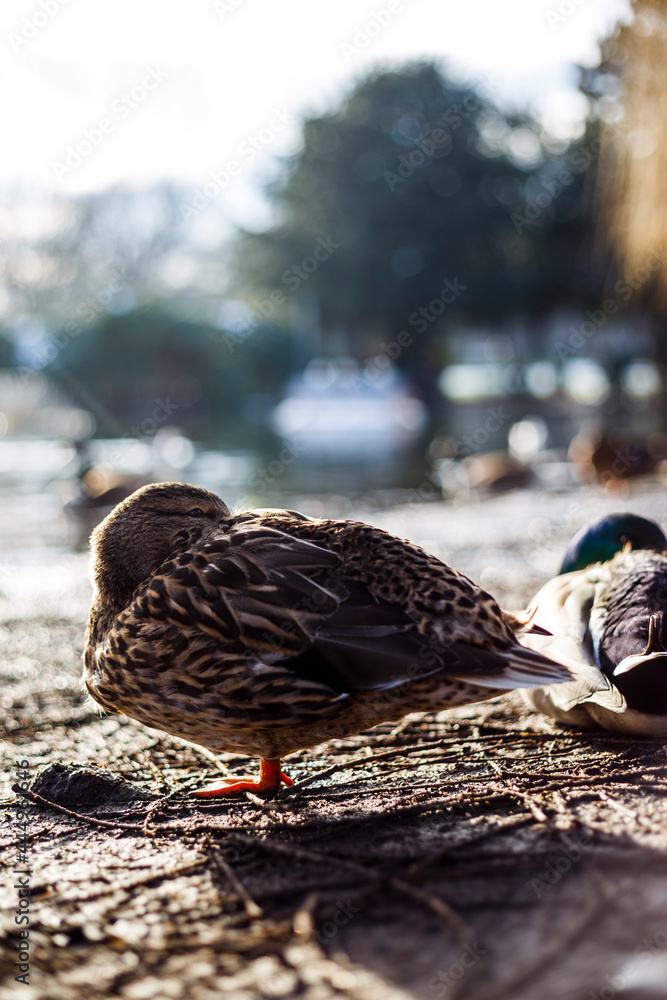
(482, 853)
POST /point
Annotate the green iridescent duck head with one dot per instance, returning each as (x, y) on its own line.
(600, 541)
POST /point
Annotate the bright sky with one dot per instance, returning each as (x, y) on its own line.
(154, 89)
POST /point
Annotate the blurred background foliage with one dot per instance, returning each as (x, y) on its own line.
(407, 218)
(418, 227)
(130, 363)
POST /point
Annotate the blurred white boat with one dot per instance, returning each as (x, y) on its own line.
(340, 409)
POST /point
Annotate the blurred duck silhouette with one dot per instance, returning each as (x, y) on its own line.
(610, 457)
(100, 489)
(606, 612)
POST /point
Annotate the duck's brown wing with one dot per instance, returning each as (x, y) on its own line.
(284, 600)
(255, 627)
(257, 597)
(205, 642)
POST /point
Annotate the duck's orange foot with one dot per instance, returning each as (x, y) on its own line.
(270, 778)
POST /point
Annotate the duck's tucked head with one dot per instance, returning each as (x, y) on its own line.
(600, 541)
(138, 535)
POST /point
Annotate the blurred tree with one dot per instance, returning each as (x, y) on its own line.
(629, 87)
(147, 369)
(627, 121)
(73, 259)
(406, 205)
(416, 208)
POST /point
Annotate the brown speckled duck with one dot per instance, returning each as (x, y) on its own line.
(265, 632)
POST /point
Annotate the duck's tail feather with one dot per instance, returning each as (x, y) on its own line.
(507, 669)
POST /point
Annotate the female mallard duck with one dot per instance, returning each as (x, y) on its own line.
(262, 633)
(605, 612)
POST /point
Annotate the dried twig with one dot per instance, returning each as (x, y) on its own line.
(442, 909)
(108, 824)
(251, 907)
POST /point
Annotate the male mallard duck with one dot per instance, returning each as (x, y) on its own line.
(605, 612)
(263, 633)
